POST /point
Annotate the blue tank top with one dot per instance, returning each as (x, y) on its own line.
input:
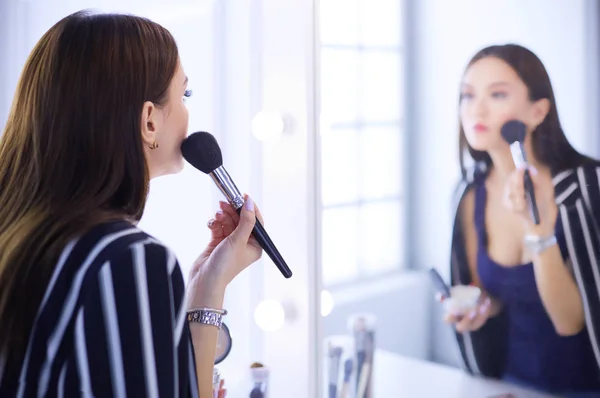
(537, 354)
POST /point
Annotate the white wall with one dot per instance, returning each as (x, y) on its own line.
(401, 305)
(447, 34)
(14, 48)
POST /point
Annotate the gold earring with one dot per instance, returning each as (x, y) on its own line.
(154, 145)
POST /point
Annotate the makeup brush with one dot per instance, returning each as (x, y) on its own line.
(202, 151)
(438, 283)
(348, 368)
(335, 354)
(260, 377)
(514, 132)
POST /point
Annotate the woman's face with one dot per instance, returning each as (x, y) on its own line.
(168, 128)
(491, 94)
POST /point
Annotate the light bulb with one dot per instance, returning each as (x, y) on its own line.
(327, 303)
(267, 125)
(269, 315)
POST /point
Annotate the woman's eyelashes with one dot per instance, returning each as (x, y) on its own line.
(494, 95)
(465, 96)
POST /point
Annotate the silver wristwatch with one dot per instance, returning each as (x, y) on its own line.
(206, 316)
(537, 244)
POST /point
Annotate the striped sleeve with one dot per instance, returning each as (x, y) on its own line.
(581, 220)
(130, 334)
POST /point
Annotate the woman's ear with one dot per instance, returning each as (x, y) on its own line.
(149, 123)
(540, 110)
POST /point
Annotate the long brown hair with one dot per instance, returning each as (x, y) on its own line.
(71, 154)
(549, 143)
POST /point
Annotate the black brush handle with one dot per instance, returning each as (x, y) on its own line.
(530, 197)
(439, 283)
(332, 391)
(268, 246)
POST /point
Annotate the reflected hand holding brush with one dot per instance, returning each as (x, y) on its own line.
(514, 133)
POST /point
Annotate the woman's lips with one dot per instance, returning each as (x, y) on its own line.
(480, 128)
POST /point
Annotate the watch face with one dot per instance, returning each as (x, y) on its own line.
(223, 344)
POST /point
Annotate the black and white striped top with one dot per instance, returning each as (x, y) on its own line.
(577, 195)
(111, 323)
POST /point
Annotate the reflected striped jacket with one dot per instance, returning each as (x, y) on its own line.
(111, 323)
(577, 194)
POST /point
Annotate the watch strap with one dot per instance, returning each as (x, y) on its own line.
(206, 316)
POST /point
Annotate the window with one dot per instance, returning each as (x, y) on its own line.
(362, 139)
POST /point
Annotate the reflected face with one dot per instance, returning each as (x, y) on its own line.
(491, 94)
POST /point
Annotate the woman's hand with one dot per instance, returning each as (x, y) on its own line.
(231, 249)
(474, 319)
(514, 199)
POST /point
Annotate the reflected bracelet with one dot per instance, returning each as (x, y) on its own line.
(538, 244)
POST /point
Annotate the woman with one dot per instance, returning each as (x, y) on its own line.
(538, 323)
(89, 304)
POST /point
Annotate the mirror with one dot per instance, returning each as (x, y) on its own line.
(390, 74)
(224, 344)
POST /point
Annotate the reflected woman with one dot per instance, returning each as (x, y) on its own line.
(539, 321)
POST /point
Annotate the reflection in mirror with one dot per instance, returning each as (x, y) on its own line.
(362, 145)
(532, 265)
(224, 344)
(397, 201)
(361, 139)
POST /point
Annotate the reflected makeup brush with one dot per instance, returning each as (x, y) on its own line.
(514, 132)
(335, 354)
(438, 282)
(360, 337)
(348, 369)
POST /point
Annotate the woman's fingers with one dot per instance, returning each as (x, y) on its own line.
(514, 195)
(474, 319)
(227, 208)
(227, 222)
(216, 228)
(257, 210)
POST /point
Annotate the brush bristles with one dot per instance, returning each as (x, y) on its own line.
(513, 131)
(202, 151)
